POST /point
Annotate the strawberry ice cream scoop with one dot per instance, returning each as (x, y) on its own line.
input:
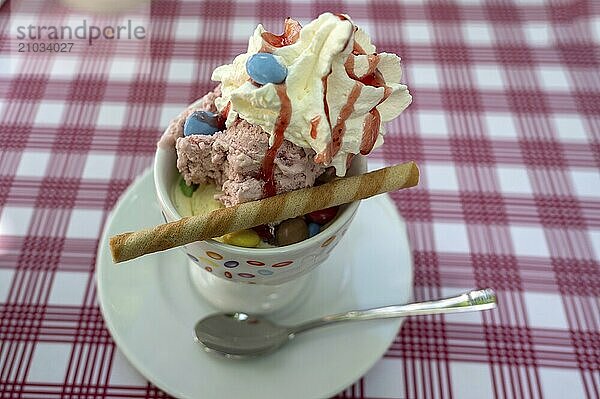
(233, 159)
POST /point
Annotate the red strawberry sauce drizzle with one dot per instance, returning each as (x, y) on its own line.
(222, 116)
(267, 174)
(372, 77)
(314, 123)
(291, 33)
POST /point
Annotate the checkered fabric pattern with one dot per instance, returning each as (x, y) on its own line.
(505, 125)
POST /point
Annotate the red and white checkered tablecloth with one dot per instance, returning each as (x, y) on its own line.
(505, 125)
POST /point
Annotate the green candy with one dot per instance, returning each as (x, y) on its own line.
(188, 191)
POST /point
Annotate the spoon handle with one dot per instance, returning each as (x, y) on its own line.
(467, 302)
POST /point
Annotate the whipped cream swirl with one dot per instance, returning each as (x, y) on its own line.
(337, 95)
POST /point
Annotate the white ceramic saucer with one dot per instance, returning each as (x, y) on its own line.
(150, 307)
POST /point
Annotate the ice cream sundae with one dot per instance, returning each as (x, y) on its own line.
(290, 113)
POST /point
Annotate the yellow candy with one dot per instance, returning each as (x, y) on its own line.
(242, 238)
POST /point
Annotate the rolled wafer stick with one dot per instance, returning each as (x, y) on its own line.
(249, 214)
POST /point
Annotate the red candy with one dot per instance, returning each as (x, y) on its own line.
(323, 216)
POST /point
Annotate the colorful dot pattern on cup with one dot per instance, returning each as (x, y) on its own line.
(283, 264)
(209, 262)
(214, 255)
(328, 241)
(255, 263)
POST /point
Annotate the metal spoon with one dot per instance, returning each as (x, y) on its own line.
(238, 335)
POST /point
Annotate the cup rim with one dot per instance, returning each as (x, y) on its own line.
(167, 206)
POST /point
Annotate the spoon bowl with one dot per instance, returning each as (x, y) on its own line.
(237, 335)
(240, 335)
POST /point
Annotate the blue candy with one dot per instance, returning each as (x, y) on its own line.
(201, 122)
(264, 68)
(313, 229)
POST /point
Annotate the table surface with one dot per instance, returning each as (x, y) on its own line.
(505, 126)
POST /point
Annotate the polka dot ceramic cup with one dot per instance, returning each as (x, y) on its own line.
(219, 270)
